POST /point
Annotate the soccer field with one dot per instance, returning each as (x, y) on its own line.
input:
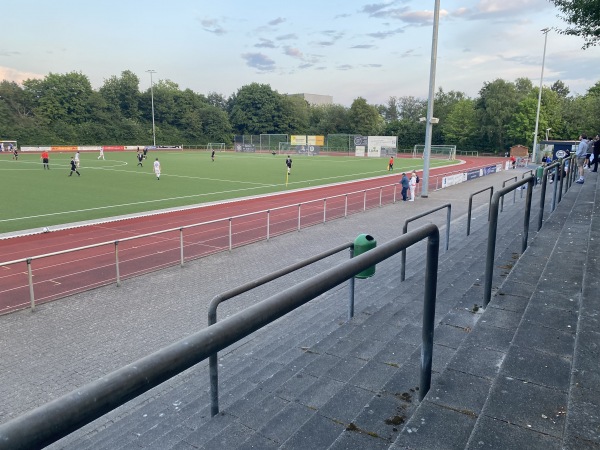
(34, 197)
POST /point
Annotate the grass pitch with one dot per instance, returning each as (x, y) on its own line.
(34, 198)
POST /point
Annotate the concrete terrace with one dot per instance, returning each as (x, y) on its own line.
(523, 373)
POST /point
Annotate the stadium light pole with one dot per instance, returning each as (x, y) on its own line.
(429, 122)
(537, 116)
(150, 71)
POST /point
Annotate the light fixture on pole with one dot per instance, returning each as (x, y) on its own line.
(537, 117)
(430, 120)
(150, 71)
(547, 130)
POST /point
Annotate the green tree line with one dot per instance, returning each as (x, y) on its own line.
(63, 109)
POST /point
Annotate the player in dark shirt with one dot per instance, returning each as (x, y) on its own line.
(74, 167)
(140, 157)
(288, 163)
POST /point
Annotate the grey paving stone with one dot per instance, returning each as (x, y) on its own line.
(501, 318)
(449, 335)
(545, 339)
(490, 433)
(255, 414)
(353, 440)
(294, 386)
(317, 432)
(441, 357)
(509, 302)
(482, 362)
(553, 299)
(382, 417)
(395, 352)
(560, 319)
(528, 406)
(452, 429)
(286, 423)
(373, 375)
(346, 404)
(229, 437)
(460, 391)
(536, 367)
(583, 421)
(319, 393)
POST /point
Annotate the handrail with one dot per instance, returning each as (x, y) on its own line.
(54, 420)
(213, 366)
(543, 193)
(491, 188)
(493, 227)
(411, 219)
(514, 196)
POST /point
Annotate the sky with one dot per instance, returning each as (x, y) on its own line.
(342, 48)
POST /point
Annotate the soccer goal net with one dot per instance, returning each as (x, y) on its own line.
(216, 145)
(437, 151)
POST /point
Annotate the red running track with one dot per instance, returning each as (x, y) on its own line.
(69, 273)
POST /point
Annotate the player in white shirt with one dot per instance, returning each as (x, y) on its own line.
(157, 169)
(77, 159)
(101, 153)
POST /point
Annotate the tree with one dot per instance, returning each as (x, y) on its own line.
(122, 94)
(255, 109)
(495, 106)
(364, 118)
(560, 88)
(583, 18)
(460, 126)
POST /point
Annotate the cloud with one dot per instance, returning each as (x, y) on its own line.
(10, 74)
(293, 52)
(385, 34)
(363, 46)
(344, 67)
(212, 26)
(259, 61)
(487, 9)
(265, 43)
(286, 37)
(276, 21)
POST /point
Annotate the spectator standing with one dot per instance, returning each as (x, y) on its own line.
(405, 184)
(596, 153)
(581, 154)
(412, 184)
(45, 160)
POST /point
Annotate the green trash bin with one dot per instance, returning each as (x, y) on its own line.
(363, 243)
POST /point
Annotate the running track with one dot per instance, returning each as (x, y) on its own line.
(59, 276)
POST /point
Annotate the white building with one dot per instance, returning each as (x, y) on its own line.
(316, 99)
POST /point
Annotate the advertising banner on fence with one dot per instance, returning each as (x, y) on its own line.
(376, 143)
(249, 148)
(359, 150)
(451, 180)
(297, 139)
(317, 141)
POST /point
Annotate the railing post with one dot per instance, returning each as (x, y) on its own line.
(324, 210)
(562, 172)
(491, 249)
(299, 216)
(431, 270)
(527, 214)
(117, 263)
(542, 197)
(30, 281)
(448, 215)
(554, 194)
(380, 196)
(346, 206)
(365, 201)
(181, 244)
(351, 291)
(469, 215)
(230, 233)
(268, 222)
(395, 189)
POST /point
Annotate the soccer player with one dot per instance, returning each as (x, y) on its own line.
(15, 154)
(145, 152)
(391, 164)
(101, 153)
(157, 169)
(288, 163)
(74, 167)
(140, 157)
(77, 159)
(212, 155)
(45, 159)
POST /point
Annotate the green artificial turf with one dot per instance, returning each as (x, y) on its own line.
(33, 197)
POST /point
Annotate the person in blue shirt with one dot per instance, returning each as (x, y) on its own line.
(404, 183)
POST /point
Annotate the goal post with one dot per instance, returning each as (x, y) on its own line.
(216, 146)
(437, 151)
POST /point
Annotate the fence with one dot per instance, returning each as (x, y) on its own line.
(51, 276)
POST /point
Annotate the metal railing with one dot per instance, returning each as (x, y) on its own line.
(411, 219)
(56, 419)
(515, 193)
(213, 366)
(491, 188)
(493, 227)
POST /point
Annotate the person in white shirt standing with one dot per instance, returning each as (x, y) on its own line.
(157, 169)
(412, 184)
(77, 159)
(101, 153)
(581, 153)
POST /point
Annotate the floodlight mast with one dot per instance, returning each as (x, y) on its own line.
(429, 120)
(150, 71)
(537, 116)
